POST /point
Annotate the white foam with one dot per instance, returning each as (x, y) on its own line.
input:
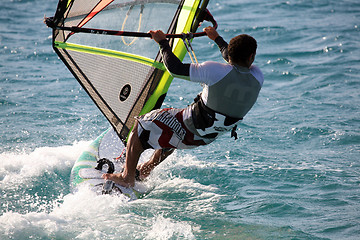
(78, 216)
(85, 215)
(166, 228)
(18, 168)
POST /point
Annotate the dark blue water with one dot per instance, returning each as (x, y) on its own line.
(294, 172)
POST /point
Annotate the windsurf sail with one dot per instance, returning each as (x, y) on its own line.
(125, 76)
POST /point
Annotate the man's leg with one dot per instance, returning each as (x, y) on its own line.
(158, 156)
(133, 151)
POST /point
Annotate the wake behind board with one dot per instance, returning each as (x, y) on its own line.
(107, 146)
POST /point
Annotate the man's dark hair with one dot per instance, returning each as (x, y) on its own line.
(241, 47)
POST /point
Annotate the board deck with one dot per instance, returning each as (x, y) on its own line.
(108, 145)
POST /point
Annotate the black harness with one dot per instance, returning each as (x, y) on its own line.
(204, 117)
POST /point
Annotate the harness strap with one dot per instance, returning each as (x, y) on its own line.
(204, 117)
(234, 133)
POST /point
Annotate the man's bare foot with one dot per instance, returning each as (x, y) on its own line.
(118, 179)
(144, 171)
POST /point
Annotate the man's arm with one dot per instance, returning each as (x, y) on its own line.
(213, 35)
(172, 63)
(223, 47)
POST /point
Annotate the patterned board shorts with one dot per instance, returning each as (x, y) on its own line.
(165, 128)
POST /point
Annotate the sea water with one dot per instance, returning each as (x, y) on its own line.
(294, 172)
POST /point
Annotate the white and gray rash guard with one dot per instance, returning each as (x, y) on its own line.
(229, 91)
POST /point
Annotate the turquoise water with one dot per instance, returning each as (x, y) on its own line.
(294, 172)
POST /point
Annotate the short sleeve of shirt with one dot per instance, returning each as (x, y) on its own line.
(209, 72)
(256, 72)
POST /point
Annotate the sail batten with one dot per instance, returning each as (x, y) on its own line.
(111, 53)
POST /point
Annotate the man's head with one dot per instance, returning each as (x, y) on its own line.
(242, 50)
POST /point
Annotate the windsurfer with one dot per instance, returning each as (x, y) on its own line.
(230, 90)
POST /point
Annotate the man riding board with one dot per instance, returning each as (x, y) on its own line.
(230, 90)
